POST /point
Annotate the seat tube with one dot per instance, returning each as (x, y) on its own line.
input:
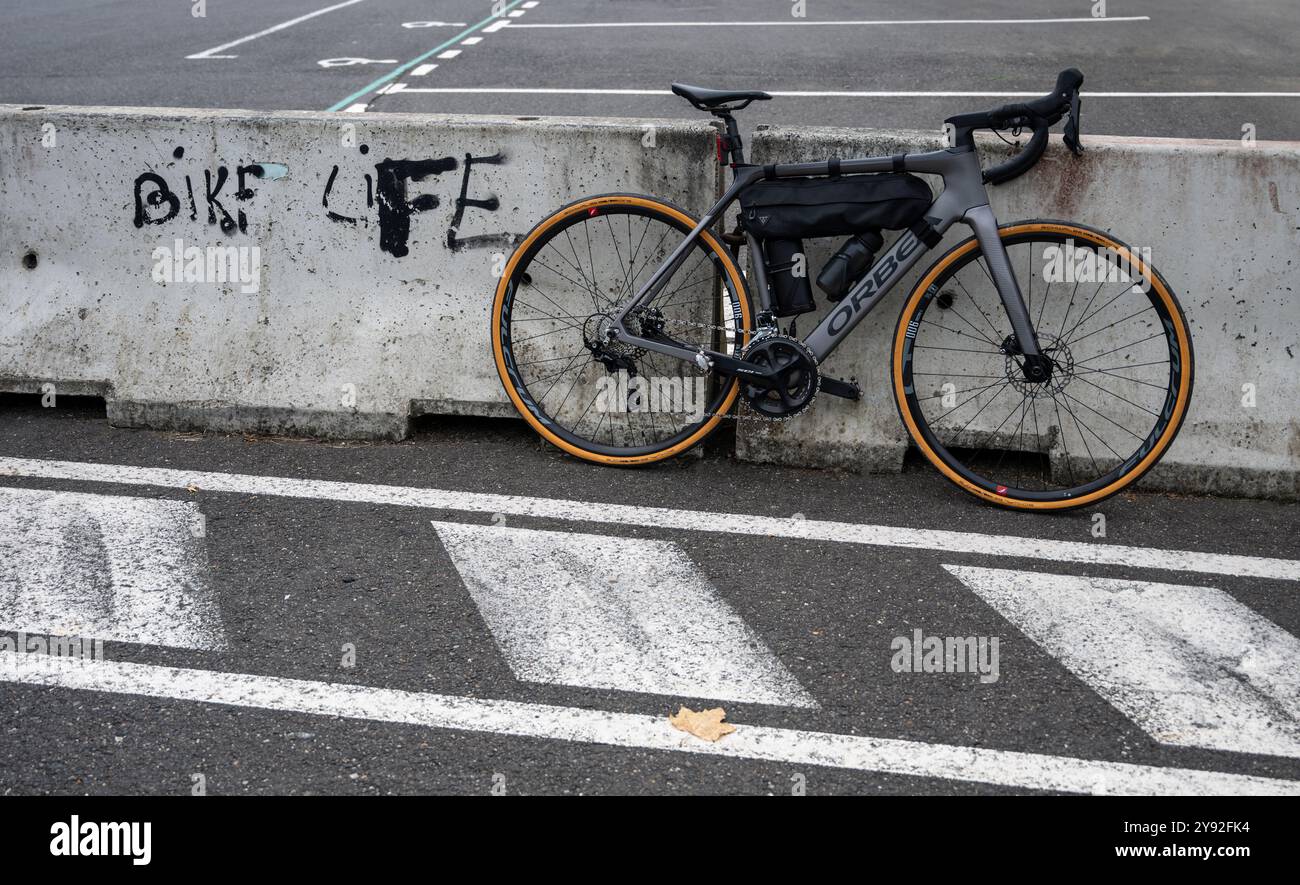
(985, 225)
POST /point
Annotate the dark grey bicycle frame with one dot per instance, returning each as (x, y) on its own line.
(963, 199)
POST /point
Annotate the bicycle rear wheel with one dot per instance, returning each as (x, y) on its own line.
(601, 400)
(1121, 369)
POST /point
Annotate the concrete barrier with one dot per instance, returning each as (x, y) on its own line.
(331, 275)
(1222, 221)
(308, 273)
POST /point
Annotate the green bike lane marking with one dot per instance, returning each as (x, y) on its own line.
(403, 68)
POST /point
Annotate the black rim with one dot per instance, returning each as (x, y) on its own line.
(1117, 370)
(557, 302)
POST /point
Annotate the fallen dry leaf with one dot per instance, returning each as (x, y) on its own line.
(191, 488)
(705, 724)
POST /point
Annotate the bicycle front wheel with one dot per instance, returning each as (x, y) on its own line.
(600, 399)
(1121, 378)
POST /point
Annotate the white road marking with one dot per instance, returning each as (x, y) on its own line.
(105, 567)
(530, 4)
(355, 109)
(346, 103)
(780, 745)
(1190, 665)
(433, 24)
(423, 70)
(522, 90)
(516, 13)
(471, 41)
(631, 614)
(840, 24)
(1010, 546)
(212, 53)
(349, 61)
(496, 26)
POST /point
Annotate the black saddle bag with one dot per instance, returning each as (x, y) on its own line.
(793, 208)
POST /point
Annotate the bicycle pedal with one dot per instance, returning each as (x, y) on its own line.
(842, 389)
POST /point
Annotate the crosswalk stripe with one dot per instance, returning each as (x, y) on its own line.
(105, 567)
(1007, 546)
(1192, 666)
(631, 614)
(787, 747)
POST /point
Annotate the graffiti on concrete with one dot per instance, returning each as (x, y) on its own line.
(386, 192)
(152, 193)
(395, 210)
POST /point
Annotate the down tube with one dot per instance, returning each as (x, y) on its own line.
(860, 301)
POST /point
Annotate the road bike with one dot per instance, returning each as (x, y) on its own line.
(1039, 365)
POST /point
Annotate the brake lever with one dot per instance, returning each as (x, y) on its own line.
(1071, 136)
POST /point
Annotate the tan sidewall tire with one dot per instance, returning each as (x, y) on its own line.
(498, 304)
(1090, 236)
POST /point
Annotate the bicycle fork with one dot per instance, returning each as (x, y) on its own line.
(1036, 367)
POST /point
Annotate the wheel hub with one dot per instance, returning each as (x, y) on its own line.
(615, 355)
(1055, 370)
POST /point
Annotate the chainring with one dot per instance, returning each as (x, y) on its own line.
(796, 369)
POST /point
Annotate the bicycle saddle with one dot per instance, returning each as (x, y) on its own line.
(712, 99)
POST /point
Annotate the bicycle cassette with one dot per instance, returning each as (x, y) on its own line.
(796, 379)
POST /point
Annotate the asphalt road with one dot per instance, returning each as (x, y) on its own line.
(293, 579)
(350, 618)
(1176, 53)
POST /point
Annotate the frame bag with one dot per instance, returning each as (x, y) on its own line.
(792, 208)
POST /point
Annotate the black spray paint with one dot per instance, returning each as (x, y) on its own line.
(156, 203)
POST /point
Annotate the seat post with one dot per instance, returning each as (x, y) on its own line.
(732, 143)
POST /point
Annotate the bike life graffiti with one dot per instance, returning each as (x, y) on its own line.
(386, 192)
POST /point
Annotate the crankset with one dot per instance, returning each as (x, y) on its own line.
(791, 380)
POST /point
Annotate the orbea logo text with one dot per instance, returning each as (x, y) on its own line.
(77, 839)
(213, 264)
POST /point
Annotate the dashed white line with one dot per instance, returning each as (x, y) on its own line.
(105, 567)
(359, 108)
(944, 541)
(212, 53)
(424, 70)
(579, 725)
(655, 626)
(1192, 666)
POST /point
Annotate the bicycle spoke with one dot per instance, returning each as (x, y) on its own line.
(1096, 405)
(597, 388)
